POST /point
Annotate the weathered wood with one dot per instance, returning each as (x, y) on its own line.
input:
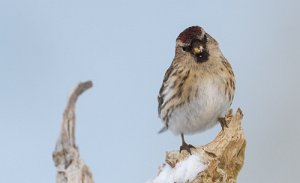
(70, 168)
(224, 156)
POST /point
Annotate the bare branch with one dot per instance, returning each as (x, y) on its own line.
(70, 168)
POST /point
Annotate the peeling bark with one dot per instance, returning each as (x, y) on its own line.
(70, 168)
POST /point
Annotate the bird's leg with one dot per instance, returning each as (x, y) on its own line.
(223, 123)
(185, 146)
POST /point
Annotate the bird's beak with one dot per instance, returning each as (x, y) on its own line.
(198, 50)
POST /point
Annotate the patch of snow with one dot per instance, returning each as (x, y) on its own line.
(181, 173)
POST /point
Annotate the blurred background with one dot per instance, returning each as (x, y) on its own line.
(124, 47)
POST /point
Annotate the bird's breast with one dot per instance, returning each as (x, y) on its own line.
(207, 101)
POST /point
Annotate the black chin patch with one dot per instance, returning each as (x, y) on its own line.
(196, 43)
(202, 57)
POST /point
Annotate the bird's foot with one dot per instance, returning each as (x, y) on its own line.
(223, 123)
(228, 116)
(186, 147)
(225, 120)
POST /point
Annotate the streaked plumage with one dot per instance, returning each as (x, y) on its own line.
(198, 87)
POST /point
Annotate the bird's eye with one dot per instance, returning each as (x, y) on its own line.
(186, 48)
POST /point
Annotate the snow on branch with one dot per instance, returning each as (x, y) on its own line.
(217, 162)
(70, 168)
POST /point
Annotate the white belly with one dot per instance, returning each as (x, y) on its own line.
(202, 112)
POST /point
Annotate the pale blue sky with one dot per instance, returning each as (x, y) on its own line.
(47, 47)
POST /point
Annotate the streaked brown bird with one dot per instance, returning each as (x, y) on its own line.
(198, 87)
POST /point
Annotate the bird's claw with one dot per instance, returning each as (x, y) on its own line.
(187, 147)
(223, 123)
(225, 120)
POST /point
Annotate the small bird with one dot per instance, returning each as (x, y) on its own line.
(198, 87)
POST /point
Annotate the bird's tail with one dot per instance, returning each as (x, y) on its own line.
(163, 130)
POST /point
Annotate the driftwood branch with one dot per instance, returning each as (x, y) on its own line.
(223, 157)
(70, 168)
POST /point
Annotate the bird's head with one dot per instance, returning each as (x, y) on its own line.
(194, 40)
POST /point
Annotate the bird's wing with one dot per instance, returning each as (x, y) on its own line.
(161, 94)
